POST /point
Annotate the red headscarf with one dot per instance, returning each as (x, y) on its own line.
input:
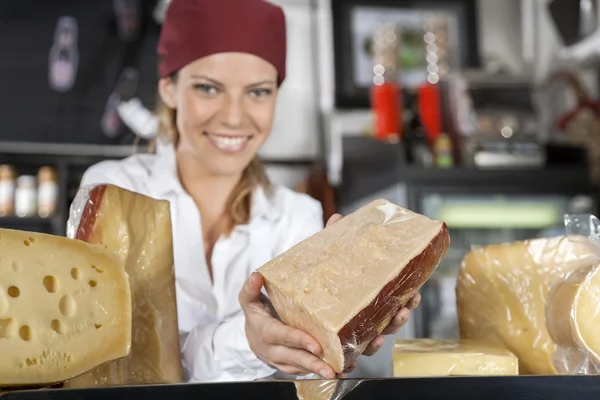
(193, 29)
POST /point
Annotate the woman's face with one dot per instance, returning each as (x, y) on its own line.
(225, 107)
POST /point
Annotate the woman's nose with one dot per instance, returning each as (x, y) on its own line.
(232, 113)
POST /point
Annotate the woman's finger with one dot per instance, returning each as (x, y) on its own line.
(333, 219)
(277, 333)
(300, 359)
(397, 322)
(374, 346)
(251, 291)
(414, 302)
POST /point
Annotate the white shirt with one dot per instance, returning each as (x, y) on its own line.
(214, 346)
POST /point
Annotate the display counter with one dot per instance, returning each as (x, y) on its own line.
(496, 388)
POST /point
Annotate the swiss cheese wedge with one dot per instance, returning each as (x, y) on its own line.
(65, 308)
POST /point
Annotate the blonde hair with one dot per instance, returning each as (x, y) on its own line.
(237, 208)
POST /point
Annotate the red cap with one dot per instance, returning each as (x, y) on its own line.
(193, 29)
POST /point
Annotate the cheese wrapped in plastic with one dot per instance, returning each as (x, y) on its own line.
(138, 229)
(315, 389)
(573, 307)
(65, 308)
(451, 357)
(344, 284)
(502, 293)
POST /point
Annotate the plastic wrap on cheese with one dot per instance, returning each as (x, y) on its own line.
(502, 293)
(451, 357)
(344, 284)
(138, 229)
(573, 307)
(316, 389)
(65, 308)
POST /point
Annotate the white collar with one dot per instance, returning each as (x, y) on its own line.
(164, 179)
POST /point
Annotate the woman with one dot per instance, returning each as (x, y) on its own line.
(222, 63)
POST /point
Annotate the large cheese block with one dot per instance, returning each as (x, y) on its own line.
(138, 229)
(65, 308)
(573, 321)
(501, 295)
(344, 284)
(451, 357)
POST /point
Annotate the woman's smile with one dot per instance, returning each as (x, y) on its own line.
(228, 143)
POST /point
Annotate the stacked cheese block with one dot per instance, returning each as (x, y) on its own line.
(70, 307)
(535, 301)
(539, 298)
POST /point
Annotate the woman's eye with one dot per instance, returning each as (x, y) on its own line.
(206, 88)
(261, 92)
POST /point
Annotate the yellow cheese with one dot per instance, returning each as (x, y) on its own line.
(449, 357)
(573, 320)
(65, 308)
(502, 290)
(138, 229)
(344, 284)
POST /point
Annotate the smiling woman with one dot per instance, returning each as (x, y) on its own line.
(220, 74)
(218, 111)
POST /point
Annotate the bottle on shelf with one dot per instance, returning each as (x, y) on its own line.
(47, 194)
(385, 90)
(7, 190)
(26, 196)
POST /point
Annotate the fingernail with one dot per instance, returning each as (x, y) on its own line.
(311, 348)
(405, 313)
(252, 279)
(323, 373)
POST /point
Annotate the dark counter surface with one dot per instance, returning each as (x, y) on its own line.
(487, 388)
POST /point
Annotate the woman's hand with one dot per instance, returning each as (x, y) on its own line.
(399, 319)
(287, 349)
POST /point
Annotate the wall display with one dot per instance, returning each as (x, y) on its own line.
(128, 13)
(61, 95)
(437, 37)
(124, 90)
(64, 56)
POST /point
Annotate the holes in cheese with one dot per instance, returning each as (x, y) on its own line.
(14, 291)
(344, 284)
(138, 229)
(47, 318)
(50, 284)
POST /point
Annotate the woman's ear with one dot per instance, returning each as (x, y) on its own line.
(166, 89)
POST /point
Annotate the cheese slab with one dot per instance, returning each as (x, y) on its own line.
(573, 321)
(502, 290)
(65, 308)
(344, 284)
(138, 229)
(451, 357)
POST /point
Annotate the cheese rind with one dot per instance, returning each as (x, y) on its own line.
(451, 357)
(138, 229)
(502, 290)
(344, 284)
(65, 308)
(573, 321)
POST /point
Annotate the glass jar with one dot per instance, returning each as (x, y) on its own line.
(26, 196)
(47, 194)
(7, 190)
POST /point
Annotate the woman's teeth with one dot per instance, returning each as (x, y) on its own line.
(229, 143)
